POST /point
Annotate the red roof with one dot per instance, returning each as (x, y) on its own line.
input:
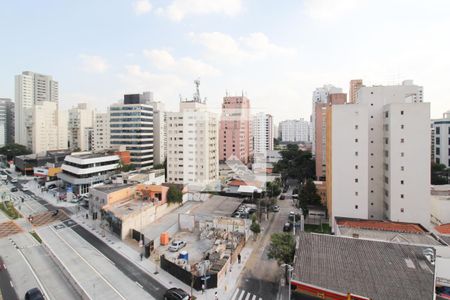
(443, 229)
(382, 225)
(237, 182)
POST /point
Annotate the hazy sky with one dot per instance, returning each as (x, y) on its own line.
(276, 51)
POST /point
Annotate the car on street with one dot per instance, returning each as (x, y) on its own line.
(3, 176)
(14, 189)
(34, 294)
(14, 180)
(275, 208)
(51, 186)
(236, 215)
(176, 245)
(24, 188)
(287, 227)
(176, 294)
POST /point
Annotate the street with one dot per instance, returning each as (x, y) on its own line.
(6, 285)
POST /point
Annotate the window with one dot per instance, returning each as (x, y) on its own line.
(371, 191)
(402, 141)
(402, 154)
(356, 193)
(438, 151)
(402, 126)
(371, 167)
(371, 129)
(356, 126)
(386, 153)
(438, 130)
(386, 114)
(386, 141)
(356, 206)
(386, 179)
(402, 210)
(356, 167)
(402, 168)
(371, 203)
(356, 180)
(356, 140)
(402, 182)
(356, 153)
(371, 117)
(402, 112)
(402, 196)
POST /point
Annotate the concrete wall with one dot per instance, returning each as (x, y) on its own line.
(440, 208)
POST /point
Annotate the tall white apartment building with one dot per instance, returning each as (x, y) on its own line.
(192, 143)
(378, 155)
(81, 121)
(441, 140)
(262, 129)
(159, 132)
(320, 95)
(49, 130)
(31, 89)
(295, 131)
(131, 124)
(6, 121)
(101, 132)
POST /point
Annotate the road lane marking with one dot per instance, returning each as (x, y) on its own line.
(235, 294)
(139, 285)
(248, 296)
(12, 285)
(242, 295)
(254, 297)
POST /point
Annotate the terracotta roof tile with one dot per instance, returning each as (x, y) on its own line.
(443, 229)
(382, 225)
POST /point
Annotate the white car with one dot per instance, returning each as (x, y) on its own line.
(14, 180)
(24, 188)
(176, 245)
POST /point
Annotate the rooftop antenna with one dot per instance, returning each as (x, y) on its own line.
(197, 91)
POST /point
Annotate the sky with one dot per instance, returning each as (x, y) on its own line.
(275, 52)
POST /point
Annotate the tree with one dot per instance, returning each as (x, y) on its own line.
(308, 196)
(255, 227)
(273, 189)
(282, 248)
(295, 163)
(174, 195)
(439, 174)
(128, 168)
(13, 150)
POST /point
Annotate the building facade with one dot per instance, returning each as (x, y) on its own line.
(31, 89)
(441, 141)
(235, 133)
(320, 130)
(81, 121)
(131, 124)
(82, 170)
(192, 143)
(101, 132)
(6, 121)
(294, 131)
(159, 132)
(262, 132)
(355, 85)
(378, 155)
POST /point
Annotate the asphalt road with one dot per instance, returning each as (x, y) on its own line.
(7, 290)
(133, 272)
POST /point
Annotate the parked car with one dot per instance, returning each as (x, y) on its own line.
(14, 189)
(51, 186)
(275, 208)
(34, 294)
(236, 215)
(176, 245)
(14, 180)
(176, 294)
(287, 227)
(24, 188)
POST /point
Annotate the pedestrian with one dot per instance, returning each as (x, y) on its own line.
(239, 258)
(216, 297)
(142, 255)
(203, 288)
(87, 216)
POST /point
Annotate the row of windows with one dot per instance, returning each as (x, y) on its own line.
(438, 141)
(131, 143)
(438, 161)
(85, 175)
(132, 131)
(130, 125)
(118, 108)
(137, 137)
(147, 119)
(438, 130)
(128, 114)
(86, 166)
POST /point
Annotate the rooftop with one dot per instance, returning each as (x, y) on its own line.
(380, 225)
(110, 188)
(218, 206)
(443, 229)
(87, 155)
(377, 270)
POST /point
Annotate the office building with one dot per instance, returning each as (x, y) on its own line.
(378, 155)
(31, 89)
(294, 131)
(82, 170)
(320, 130)
(355, 85)
(131, 124)
(235, 139)
(441, 140)
(49, 127)
(102, 132)
(262, 131)
(192, 143)
(81, 121)
(6, 121)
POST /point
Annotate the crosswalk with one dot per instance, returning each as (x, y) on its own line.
(240, 294)
(29, 206)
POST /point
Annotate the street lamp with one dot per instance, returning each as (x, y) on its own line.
(289, 270)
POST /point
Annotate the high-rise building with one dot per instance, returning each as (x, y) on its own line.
(320, 133)
(6, 121)
(192, 143)
(49, 127)
(262, 131)
(159, 132)
(31, 89)
(378, 155)
(81, 120)
(442, 140)
(102, 132)
(320, 95)
(131, 124)
(355, 85)
(294, 131)
(235, 129)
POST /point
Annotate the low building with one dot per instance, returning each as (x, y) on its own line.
(144, 176)
(83, 169)
(25, 163)
(332, 267)
(47, 173)
(440, 204)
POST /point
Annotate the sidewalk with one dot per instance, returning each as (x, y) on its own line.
(34, 187)
(224, 291)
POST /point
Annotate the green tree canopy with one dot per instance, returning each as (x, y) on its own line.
(273, 189)
(255, 227)
(308, 196)
(174, 195)
(12, 150)
(295, 164)
(439, 174)
(282, 248)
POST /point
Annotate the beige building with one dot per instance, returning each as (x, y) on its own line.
(355, 85)
(102, 132)
(81, 121)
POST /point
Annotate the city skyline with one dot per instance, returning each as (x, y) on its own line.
(163, 47)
